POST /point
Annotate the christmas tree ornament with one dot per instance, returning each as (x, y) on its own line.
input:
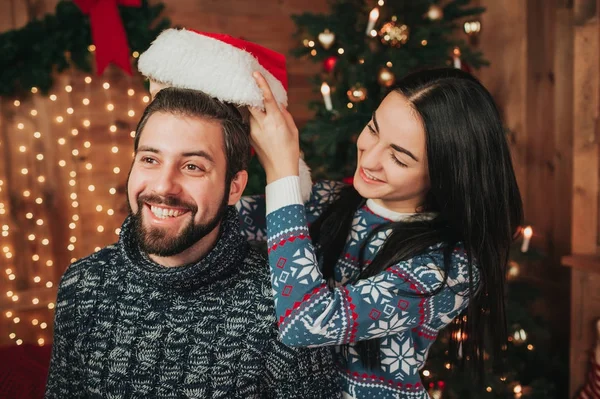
(519, 336)
(326, 38)
(472, 28)
(357, 93)
(385, 77)
(393, 34)
(527, 234)
(456, 58)
(435, 12)
(326, 92)
(329, 63)
(513, 270)
(373, 16)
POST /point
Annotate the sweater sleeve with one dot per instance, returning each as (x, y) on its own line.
(252, 208)
(312, 314)
(300, 373)
(64, 379)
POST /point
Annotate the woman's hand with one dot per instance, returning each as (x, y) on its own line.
(274, 136)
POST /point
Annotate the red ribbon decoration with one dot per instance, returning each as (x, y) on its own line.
(108, 33)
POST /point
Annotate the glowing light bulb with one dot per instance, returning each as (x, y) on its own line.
(68, 88)
(110, 107)
(62, 141)
(37, 135)
(74, 132)
(130, 92)
(88, 80)
(22, 148)
(86, 101)
(91, 187)
(53, 97)
(113, 128)
(106, 85)
(86, 123)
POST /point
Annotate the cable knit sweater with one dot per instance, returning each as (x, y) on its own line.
(127, 327)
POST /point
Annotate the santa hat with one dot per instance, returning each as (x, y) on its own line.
(220, 66)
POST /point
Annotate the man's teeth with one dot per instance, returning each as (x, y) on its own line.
(164, 213)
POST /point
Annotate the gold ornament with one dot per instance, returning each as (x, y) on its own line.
(435, 12)
(326, 38)
(357, 94)
(386, 77)
(394, 35)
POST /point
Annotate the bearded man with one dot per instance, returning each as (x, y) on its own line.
(181, 306)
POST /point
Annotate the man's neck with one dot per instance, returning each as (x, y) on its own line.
(192, 254)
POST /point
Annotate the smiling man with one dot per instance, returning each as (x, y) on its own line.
(180, 306)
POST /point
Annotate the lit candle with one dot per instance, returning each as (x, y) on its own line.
(456, 58)
(527, 233)
(373, 16)
(326, 91)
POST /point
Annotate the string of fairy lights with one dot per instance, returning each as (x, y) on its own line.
(60, 127)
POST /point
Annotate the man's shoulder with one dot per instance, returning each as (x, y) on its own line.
(91, 267)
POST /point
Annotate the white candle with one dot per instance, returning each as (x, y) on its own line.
(373, 15)
(527, 233)
(456, 58)
(326, 92)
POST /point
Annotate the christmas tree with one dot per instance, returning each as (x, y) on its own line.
(362, 47)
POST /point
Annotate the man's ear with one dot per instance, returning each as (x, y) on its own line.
(237, 186)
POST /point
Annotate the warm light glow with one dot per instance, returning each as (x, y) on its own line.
(34, 90)
(73, 239)
(49, 263)
(86, 123)
(49, 284)
(39, 222)
(62, 163)
(17, 103)
(41, 179)
(24, 171)
(9, 314)
(313, 52)
(106, 85)
(19, 342)
(116, 170)
(87, 144)
(325, 89)
(527, 232)
(88, 80)
(518, 389)
(59, 119)
(91, 187)
(110, 212)
(88, 166)
(39, 201)
(37, 135)
(72, 226)
(39, 157)
(70, 111)
(113, 128)
(99, 208)
(26, 193)
(74, 204)
(43, 326)
(112, 191)
(91, 48)
(86, 101)
(16, 320)
(426, 373)
(45, 241)
(75, 152)
(35, 301)
(41, 342)
(35, 322)
(20, 126)
(29, 215)
(22, 148)
(135, 54)
(340, 51)
(75, 217)
(110, 107)
(12, 335)
(62, 141)
(115, 149)
(74, 132)
(488, 389)
(52, 97)
(100, 229)
(35, 257)
(130, 92)
(68, 88)
(51, 305)
(131, 113)
(37, 279)
(33, 112)
(145, 99)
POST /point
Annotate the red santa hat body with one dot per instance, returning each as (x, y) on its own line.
(220, 66)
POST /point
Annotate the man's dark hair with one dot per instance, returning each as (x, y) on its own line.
(193, 103)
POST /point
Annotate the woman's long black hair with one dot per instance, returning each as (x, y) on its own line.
(473, 192)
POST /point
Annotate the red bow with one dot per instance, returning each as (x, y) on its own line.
(108, 33)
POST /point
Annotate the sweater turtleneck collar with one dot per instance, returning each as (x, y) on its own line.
(220, 263)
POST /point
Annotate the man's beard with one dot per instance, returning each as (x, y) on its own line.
(156, 241)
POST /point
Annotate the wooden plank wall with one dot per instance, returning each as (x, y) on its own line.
(531, 47)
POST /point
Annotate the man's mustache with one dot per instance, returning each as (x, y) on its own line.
(167, 201)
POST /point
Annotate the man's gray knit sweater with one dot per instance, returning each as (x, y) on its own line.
(127, 327)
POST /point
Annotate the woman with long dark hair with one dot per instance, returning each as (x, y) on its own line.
(421, 237)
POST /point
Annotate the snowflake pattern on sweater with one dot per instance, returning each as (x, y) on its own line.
(312, 314)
